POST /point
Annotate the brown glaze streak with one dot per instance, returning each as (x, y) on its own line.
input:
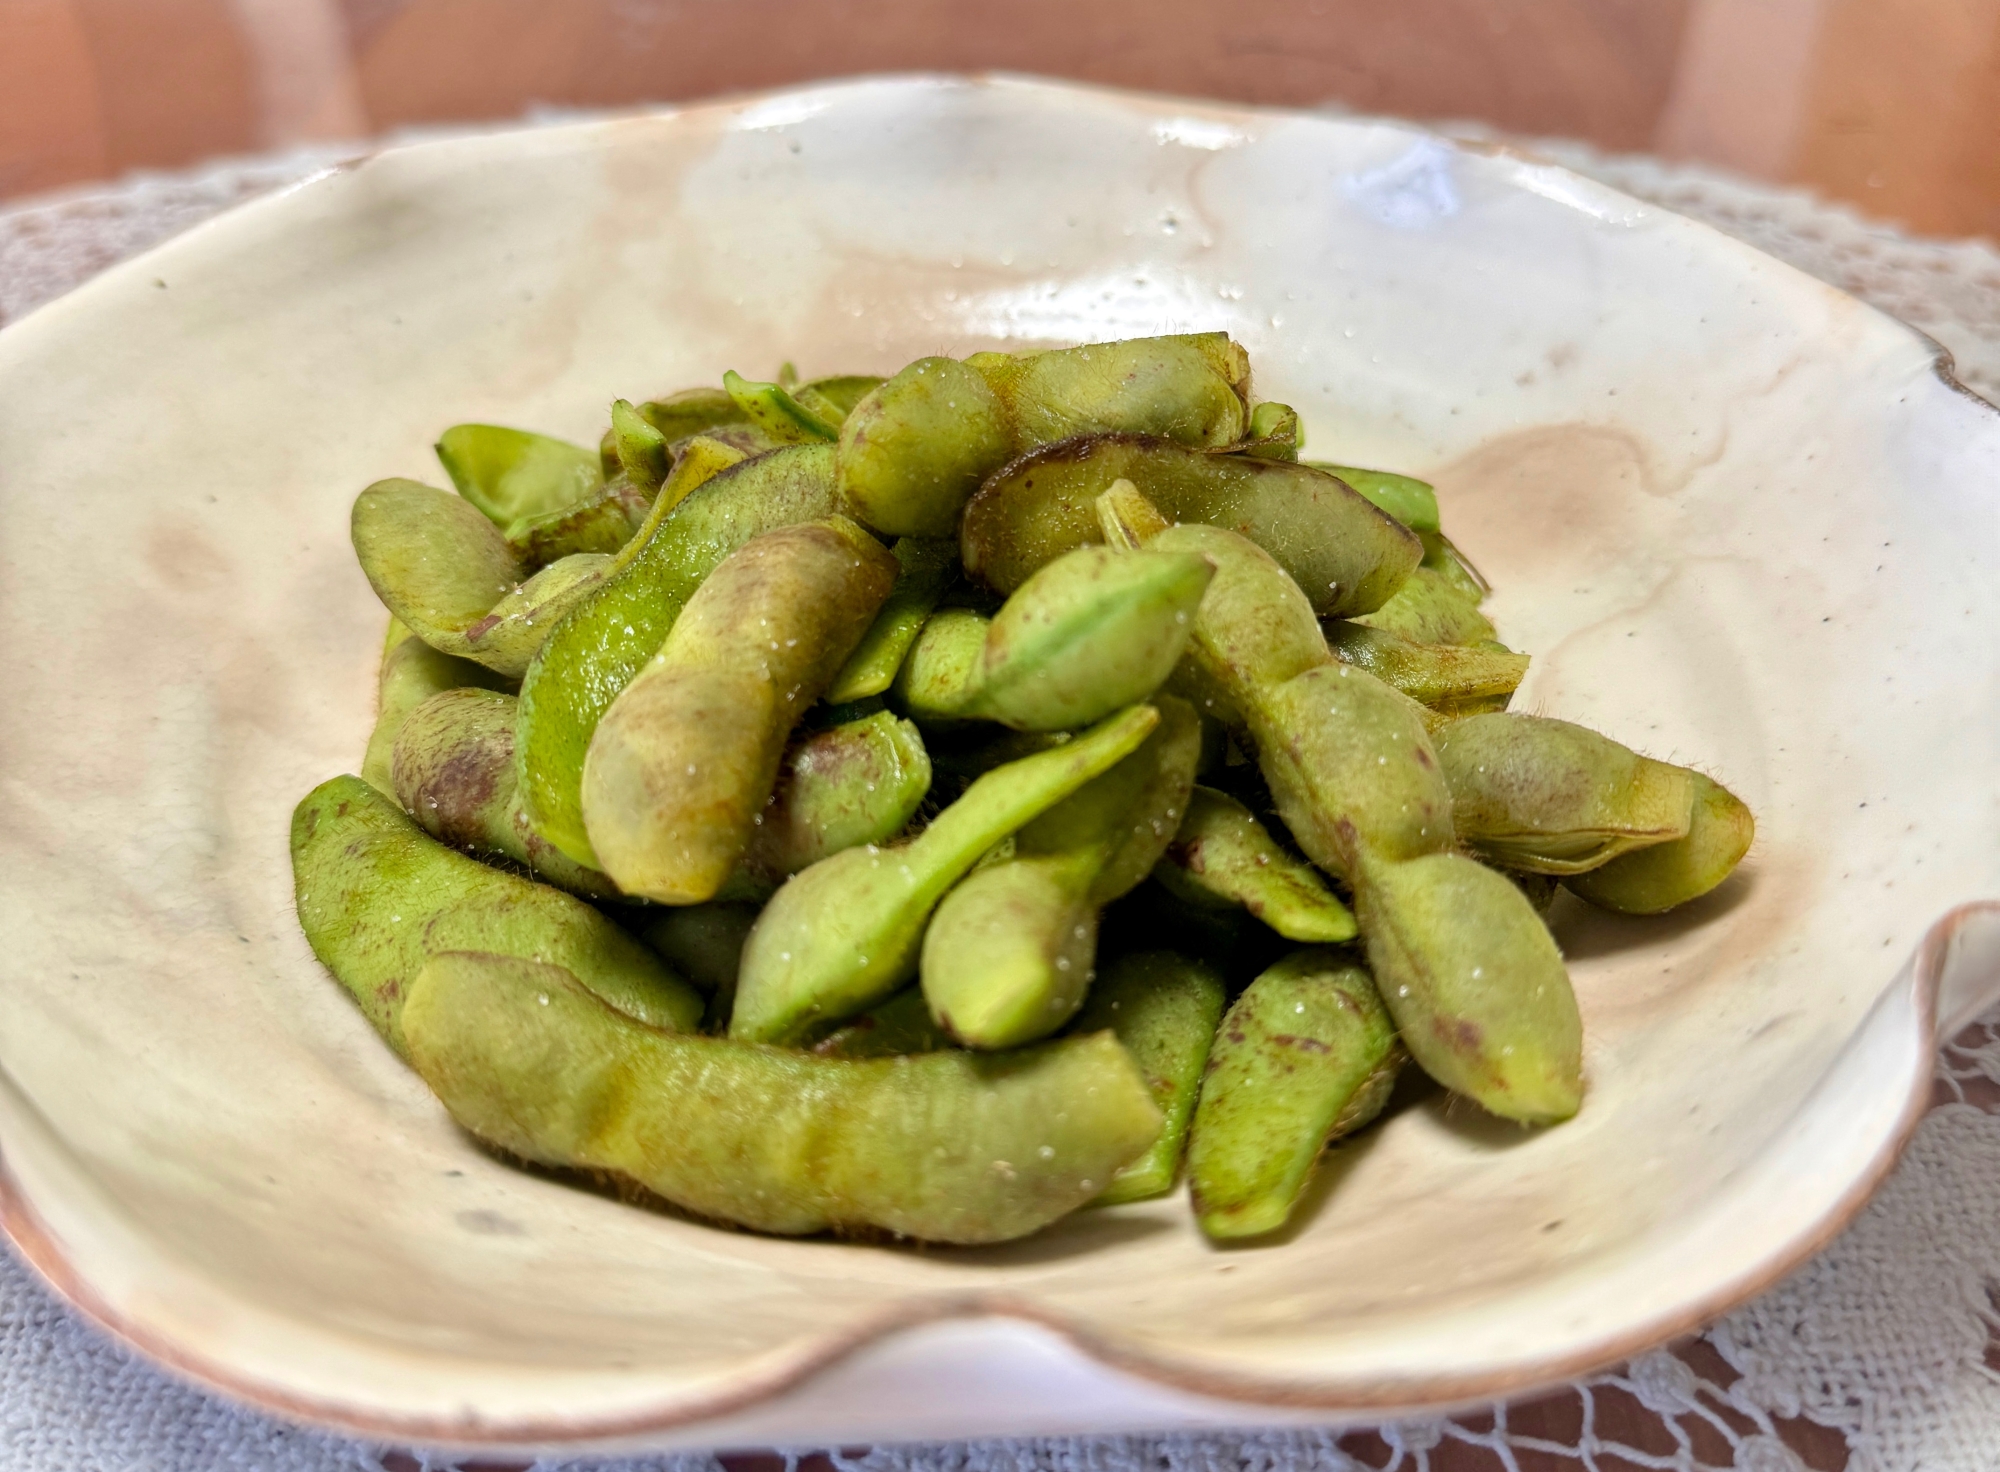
(1383, 1394)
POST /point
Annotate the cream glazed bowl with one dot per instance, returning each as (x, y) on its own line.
(1740, 519)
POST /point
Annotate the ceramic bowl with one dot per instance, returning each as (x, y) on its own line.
(1740, 519)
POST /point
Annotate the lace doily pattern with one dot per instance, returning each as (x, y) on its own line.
(1880, 1355)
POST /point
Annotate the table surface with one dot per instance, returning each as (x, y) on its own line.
(1882, 1353)
(1889, 104)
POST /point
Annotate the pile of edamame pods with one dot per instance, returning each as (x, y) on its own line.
(933, 804)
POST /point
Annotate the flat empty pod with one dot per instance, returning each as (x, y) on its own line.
(1552, 797)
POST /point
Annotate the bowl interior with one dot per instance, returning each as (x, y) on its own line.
(1731, 512)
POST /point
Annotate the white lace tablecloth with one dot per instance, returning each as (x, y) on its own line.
(1881, 1355)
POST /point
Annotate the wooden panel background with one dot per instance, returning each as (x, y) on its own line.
(1893, 105)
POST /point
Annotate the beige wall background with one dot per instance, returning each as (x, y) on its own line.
(1893, 105)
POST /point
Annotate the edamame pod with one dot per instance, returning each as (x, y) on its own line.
(514, 628)
(1094, 630)
(1437, 675)
(852, 784)
(594, 653)
(433, 560)
(1347, 556)
(928, 568)
(773, 409)
(845, 933)
(1550, 797)
(1222, 856)
(512, 475)
(839, 392)
(918, 445)
(412, 672)
(453, 770)
(1274, 433)
(1475, 983)
(377, 897)
(940, 674)
(1164, 1008)
(643, 452)
(1409, 500)
(1305, 1055)
(903, 1024)
(1010, 953)
(1188, 389)
(1720, 831)
(1357, 781)
(945, 1147)
(687, 755)
(1431, 608)
(605, 524)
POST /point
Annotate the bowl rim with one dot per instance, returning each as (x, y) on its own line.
(36, 1244)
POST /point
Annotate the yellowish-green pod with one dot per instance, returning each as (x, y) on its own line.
(514, 628)
(513, 475)
(774, 410)
(1307, 1054)
(928, 568)
(643, 452)
(915, 447)
(412, 672)
(1274, 433)
(856, 783)
(703, 943)
(433, 560)
(1189, 389)
(1441, 556)
(687, 756)
(944, 1147)
(453, 771)
(377, 897)
(941, 672)
(1163, 1007)
(1465, 965)
(838, 392)
(845, 933)
(1094, 630)
(594, 653)
(604, 525)
(1347, 556)
(1409, 500)
(1439, 675)
(1551, 797)
(691, 412)
(1432, 608)
(1720, 831)
(1222, 857)
(1011, 951)
(1475, 983)
(903, 1024)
